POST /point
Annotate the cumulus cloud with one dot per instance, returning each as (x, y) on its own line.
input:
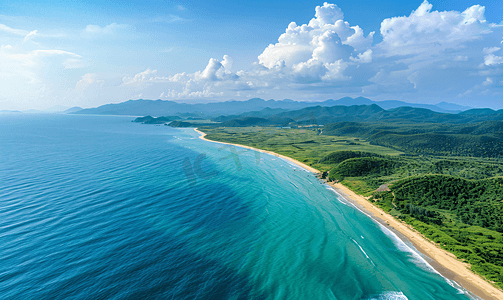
(425, 54)
(427, 30)
(327, 38)
(492, 60)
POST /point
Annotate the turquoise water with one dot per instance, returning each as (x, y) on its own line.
(95, 207)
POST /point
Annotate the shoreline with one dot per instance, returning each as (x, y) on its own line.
(309, 168)
(441, 260)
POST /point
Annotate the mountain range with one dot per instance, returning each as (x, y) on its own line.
(211, 110)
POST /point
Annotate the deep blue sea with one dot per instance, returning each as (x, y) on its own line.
(98, 207)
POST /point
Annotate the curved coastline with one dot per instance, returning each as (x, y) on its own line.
(442, 261)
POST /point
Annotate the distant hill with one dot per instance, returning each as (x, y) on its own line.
(479, 111)
(473, 139)
(72, 110)
(158, 108)
(389, 104)
(321, 115)
(452, 106)
(158, 120)
(9, 111)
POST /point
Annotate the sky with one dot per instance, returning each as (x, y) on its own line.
(89, 53)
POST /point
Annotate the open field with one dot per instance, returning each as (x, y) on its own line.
(305, 145)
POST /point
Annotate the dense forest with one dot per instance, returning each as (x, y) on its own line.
(484, 139)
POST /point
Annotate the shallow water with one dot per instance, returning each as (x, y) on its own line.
(97, 207)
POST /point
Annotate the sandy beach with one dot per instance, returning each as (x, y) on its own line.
(444, 262)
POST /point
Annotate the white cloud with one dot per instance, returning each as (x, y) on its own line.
(327, 38)
(492, 60)
(29, 36)
(490, 50)
(365, 57)
(87, 80)
(147, 75)
(96, 30)
(12, 30)
(210, 72)
(426, 54)
(426, 30)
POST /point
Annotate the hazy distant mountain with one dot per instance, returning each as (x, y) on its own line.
(347, 101)
(72, 110)
(452, 106)
(9, 111)
(215, 109)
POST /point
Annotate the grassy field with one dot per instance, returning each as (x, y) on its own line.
(305, 145)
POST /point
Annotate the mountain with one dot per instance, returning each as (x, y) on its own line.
(72, 110)
(215, 109)
(348, 101)
(389, 104)
(158, 108)
(479, 111)
(321, 115)
(266, 112)
(452, 106)
(9, 111)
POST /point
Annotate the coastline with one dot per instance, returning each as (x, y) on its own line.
(442, 261)
(309, 168)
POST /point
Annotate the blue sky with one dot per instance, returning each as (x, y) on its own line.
(90, 53)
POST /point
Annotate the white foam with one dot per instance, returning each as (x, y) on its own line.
(390, 296)
(400, 244)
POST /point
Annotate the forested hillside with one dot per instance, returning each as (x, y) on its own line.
(484, 139)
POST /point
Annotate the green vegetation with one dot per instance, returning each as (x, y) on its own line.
(362, 166)
(158, 120)
(340, 156)
(305, 145)
(482, 139)
(455, 201)
(461, 216)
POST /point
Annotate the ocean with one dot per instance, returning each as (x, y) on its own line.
(98, 207)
